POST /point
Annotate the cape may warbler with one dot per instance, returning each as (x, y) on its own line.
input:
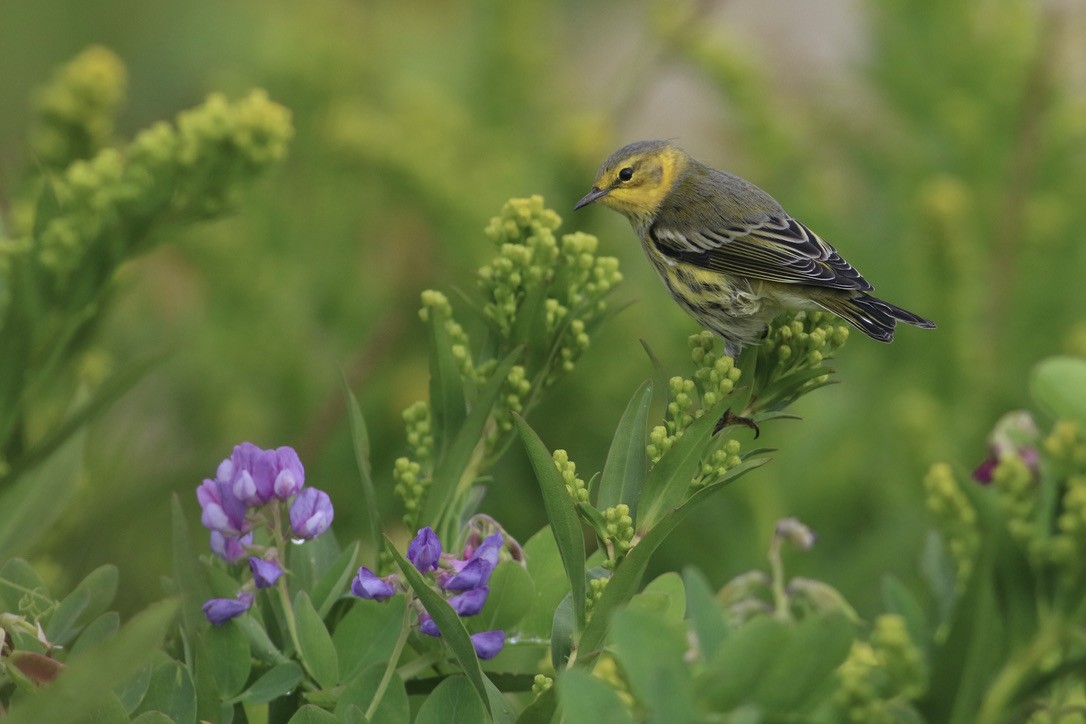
(727, 251)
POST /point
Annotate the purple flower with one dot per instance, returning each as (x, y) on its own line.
(470, 602)
(287, 473)
(311, 513)
(986, 470)
(473, 575)
(425, 550)
(368, 584)
(221, 610)
(488, 643)
(265, 573)
(246, 471)
(490, 549)
(222, 510)
(427, 625)
(230, 548)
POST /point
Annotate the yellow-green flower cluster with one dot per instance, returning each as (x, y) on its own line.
(410, 486)
(718, 462)
(434, 302)
(619, 528)
(716, 372)
(955, 517)
(803, 340)
(594, 593)
(541, 684)
(527, 251)
(106, 204)
(75, 112)
(411, 481)
(514, 392)
(532, 260)
(1017, 495)
(880, 674)
(1066, 447)
(575, 486)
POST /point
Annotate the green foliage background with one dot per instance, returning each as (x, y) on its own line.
(940, 146)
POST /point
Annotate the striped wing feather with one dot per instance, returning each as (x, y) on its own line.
(779, 249)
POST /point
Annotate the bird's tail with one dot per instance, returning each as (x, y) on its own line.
(872, 316)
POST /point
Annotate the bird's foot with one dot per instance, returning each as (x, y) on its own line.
(730, 418)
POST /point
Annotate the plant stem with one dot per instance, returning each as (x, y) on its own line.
(391, 668)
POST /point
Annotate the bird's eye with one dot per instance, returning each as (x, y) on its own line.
(625, 174)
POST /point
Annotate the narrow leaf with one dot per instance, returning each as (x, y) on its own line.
(562, 514)
(361, 443)
(669, 479)
(318, 653)
(447, 621)
(447, 404)
(452, 465)
(276, 682)
(627, 463)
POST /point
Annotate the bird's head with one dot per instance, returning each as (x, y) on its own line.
(636, 178)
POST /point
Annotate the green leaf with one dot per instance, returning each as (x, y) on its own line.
(97, 631)
(360, 441)
(510, 598)
(541, 710)
(650, 649)
(450, 467)
(224, 651)
(33, 500)
(132, 691)
(561, 513)
(585, 699)
(274, 683)
(335, 580)
(1058, 384)
(18, 579)
(318, 653)
(502, 711)
(898, 599)
(740, 663)
(810, 655)
(189, 575)
(310, 714)
(112, 710)
(363, 689)
(367, 634)
(664, 595)
(152, 717)
(705, 615)
(627, 463)
(669, 480)
(562, 630)
(90, 676)
(310, 562)
(454, 700)
(447, 405)
(627, 575)
(171, 692)
(447, 621)
(89, 599)
(551, 584)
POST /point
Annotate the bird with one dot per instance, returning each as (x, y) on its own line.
(728, 252)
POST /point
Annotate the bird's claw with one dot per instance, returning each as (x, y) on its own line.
(730, 418)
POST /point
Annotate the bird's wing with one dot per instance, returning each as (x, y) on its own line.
(777, 249)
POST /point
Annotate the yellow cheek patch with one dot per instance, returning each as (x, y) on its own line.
(671, 165)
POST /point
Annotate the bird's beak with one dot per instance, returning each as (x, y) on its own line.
(593, 195)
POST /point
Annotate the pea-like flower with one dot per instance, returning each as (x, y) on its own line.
(488, 643)
(424, 551)
(470, 602)
(265, 573)
(222, 510)
(368, 584)
(311, 513)
(230, 548)
(221, 610)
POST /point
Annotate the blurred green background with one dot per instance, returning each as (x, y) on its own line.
(940, 146)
